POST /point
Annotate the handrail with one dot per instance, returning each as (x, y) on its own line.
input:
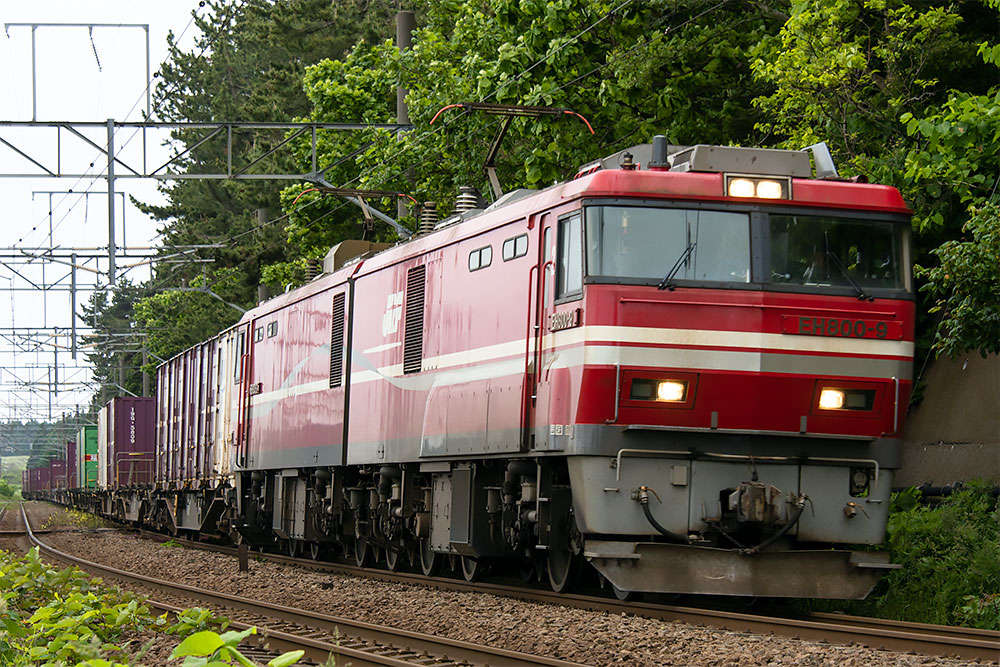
(744, 457)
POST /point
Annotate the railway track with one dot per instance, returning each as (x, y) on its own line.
(967, 643)
(319, 635)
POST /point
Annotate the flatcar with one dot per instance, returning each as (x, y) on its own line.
(686, 367)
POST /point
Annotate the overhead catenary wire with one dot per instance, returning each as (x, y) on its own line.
(149, 82)
(435, 129)
(454, 119)
(75, 191)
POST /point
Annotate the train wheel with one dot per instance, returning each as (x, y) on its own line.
(362, 554)
(429, 560)
(560, 567)
(472, 569)
(393, 559)
(314, 550)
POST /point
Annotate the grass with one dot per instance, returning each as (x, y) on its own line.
(70, 518)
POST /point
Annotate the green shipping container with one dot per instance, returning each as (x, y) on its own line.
(87, 457)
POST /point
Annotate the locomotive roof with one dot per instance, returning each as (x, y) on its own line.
(605, 183)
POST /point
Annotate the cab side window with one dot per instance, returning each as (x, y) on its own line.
(569, 262)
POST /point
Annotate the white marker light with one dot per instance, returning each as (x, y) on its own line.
(741, 187)
(831, 399)
(670, 390)
(769, 189)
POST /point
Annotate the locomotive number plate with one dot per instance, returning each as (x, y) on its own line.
(566, 319)
(841, 327)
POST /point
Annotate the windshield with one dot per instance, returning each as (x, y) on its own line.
(821, 250)
(640, 242)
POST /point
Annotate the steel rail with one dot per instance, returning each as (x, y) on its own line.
(944, 640)
(361, 643)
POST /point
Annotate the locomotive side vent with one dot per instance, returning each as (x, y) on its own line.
(413, 340)
(337, 342)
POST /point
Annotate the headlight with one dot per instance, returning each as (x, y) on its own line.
(762, 188)
(769, 190)
(846, 399)
(671, 390)
(741, 187)
(831, 399)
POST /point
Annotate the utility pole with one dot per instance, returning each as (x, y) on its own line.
(111, 239)
(111, 203)
(72, 305)
(405, 23)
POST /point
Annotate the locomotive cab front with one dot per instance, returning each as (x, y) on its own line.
(726, 366)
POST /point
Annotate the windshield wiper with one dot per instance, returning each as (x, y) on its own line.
(862, 296)
(667, 282)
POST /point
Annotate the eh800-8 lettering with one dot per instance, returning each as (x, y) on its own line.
(829, 326)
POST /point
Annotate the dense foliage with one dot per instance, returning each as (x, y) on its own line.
(632, 69)
(51, 618)
(57, 617)
(115, 344)
(950, 557)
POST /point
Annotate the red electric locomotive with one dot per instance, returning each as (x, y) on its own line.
(687, 367)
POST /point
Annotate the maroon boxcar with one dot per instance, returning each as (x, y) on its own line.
(129, 447)
(57, 468)
(71, 464)
(44, 478)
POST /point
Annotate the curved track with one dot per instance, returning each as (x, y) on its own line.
(320, 635)
(968, 643)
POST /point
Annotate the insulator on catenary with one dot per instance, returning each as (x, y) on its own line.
(428, 217)
(468, 199)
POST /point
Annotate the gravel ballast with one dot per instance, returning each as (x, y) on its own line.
(597, 638)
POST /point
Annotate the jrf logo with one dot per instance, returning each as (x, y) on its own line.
(393, 313)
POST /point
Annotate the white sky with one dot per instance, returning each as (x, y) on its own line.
(71, 87)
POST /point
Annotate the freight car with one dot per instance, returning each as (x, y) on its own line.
(685, 366)
(122, 454)
(86, 455)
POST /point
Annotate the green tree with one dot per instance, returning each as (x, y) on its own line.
(846, 71)
(958, 158)
(246, 65)
(177, 318)
(955, 160)
(115, 343)
(634, 69)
